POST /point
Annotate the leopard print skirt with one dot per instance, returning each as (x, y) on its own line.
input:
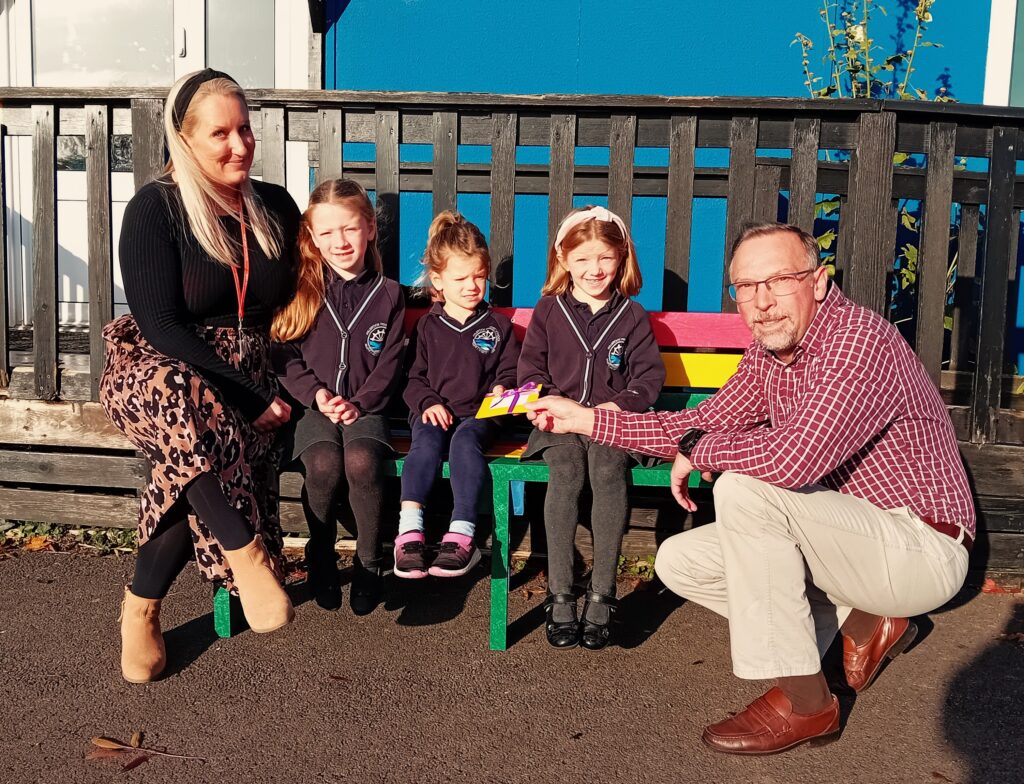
(185, 428)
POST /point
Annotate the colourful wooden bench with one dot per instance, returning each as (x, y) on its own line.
(700, 352)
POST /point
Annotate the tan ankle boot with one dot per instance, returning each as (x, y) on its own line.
(143, 655)
(265, 604)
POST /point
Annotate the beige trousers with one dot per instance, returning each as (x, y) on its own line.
(786, 567)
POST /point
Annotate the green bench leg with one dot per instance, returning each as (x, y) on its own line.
(228, 619)
(499, 566)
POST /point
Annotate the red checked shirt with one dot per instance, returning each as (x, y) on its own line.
(855, 412)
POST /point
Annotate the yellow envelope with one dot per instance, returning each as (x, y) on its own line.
(509, 402)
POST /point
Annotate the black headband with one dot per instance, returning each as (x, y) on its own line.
(188, 92)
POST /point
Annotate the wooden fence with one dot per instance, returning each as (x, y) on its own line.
(803, 150)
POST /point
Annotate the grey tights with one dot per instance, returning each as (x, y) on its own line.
(569, 466)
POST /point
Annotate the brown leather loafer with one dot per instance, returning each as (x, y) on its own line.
(862, 663)
(768, 725)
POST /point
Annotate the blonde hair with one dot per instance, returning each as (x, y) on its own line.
(297, 318)
(203, 202)
(451, 233)
(628, 279)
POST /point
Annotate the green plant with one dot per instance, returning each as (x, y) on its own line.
(858, 68)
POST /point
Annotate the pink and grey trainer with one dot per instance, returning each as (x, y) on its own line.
(410, 555)
(456, 556)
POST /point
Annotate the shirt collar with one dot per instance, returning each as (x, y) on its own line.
(613, 302)
(437, 309)
(366, 276)
(818, 328)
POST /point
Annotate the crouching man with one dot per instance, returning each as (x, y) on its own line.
(843, 504)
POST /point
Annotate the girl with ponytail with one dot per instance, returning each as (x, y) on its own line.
(463, 351)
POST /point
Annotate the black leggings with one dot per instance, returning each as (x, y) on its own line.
(327, 468)
(569, 466)
(165, 554)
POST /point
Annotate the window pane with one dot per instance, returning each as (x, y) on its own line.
(240, 40)
(102, 43)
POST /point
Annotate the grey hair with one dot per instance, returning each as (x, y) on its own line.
(752, 230)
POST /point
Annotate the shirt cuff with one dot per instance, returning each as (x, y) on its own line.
(606, 427)
(701, 458)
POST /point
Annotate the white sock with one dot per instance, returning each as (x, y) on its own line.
(410, 520)
(463, 527)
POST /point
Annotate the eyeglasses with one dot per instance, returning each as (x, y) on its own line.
(780, 285)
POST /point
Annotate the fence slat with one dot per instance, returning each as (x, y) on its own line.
(445, 174)
(622, 146)
(803, 173)
(101, 284)
(503, 204)
(678, 211)
(5, 356)
(1014, 239)
(272, 145)
(766, 193)
(387, 188)
(147, 140)
(965, 289)
(742, 163)
(563, 164)
(866, 277)
(988, 373)
(329, 133)
(44, 256)
(933, 259)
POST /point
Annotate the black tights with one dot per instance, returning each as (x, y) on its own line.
(327, 467)
(165, 554)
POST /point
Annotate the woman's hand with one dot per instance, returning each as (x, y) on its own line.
(275, 415)
(438, 416)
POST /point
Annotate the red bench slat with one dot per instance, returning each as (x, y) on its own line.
(672, 330)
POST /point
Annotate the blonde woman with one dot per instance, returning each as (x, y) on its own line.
(207, 258)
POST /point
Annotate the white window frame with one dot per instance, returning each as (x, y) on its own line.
(291, 55)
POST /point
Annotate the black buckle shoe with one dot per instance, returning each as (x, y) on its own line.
(562, 634)
(595, 636)
(367, 588)
(323, 579)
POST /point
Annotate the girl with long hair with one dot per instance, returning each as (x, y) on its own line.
(338, 350)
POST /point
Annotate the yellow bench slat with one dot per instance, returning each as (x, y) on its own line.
(701, 371)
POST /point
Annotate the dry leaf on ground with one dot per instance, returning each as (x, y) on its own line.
(39, 543)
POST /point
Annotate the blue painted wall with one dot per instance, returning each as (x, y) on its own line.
(674, 47)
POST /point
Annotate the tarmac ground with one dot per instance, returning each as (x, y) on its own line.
(410, 693)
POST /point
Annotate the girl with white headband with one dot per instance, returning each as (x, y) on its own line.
(588, 341)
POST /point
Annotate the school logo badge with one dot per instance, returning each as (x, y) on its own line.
(486, 340)
(615, 352)
(375, 337)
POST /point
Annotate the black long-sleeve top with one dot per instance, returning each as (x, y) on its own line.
(173, 285)
(458, 364)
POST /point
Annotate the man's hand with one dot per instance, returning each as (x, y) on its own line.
(438, 416)
(560, 415)
(609, 405)
(273, 416)
(681, 470)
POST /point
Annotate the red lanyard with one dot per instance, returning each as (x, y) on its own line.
(241, 287)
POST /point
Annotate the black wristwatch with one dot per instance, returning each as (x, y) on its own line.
(689, 441)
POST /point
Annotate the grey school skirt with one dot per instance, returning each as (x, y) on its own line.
(308, 427)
